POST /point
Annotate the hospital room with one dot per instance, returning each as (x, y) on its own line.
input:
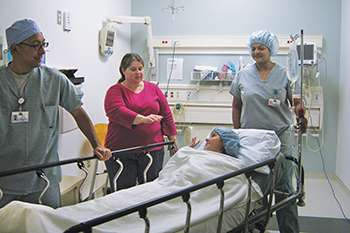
(174, 116)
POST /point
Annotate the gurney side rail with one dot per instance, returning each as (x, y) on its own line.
(86, 227)
(115, 154)
(266, 213)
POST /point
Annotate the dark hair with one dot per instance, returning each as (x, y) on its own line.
(126, 62)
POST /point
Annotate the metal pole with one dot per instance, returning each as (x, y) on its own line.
(220, 185)
(186, 199)
(93, 180)
(300, 141)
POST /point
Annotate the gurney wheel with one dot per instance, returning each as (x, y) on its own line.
(260, 227)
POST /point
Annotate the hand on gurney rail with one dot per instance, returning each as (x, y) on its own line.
(173, 149)
(102, 153)
(301, 120)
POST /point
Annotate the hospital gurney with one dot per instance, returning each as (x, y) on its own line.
(39, 169)
(188, 171)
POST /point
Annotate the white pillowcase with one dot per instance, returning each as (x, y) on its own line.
(256, 145)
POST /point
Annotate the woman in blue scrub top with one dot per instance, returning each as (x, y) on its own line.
(262, 96)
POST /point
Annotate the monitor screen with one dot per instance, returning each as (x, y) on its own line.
(308, 51)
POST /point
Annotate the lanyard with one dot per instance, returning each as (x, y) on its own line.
(21, 86)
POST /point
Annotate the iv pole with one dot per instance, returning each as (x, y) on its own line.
(300, 141)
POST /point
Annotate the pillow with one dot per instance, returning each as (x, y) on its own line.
(256, 145)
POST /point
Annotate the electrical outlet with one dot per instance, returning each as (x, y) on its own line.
(171, 95)
(165, 42)
(59, 17)
(178, 95)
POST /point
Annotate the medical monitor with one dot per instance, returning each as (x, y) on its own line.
(310, 53)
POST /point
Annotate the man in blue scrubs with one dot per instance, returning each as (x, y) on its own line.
(30, 95)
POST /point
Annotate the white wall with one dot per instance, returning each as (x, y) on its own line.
(343, 151)
(242, 17)
(77, 48)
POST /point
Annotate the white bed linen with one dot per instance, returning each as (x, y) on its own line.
(187, 167)
(256, 146)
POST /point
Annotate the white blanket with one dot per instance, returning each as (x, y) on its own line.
(186, 168)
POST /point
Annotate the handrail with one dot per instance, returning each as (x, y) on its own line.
(115, 153)
(87, 225)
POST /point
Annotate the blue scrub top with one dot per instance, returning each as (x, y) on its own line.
(255, 94)
(34, 142)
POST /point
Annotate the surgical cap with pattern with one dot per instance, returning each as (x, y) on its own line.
(265, 38)
(230, 140)
(20, 31)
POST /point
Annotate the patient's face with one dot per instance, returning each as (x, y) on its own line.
(214, 143)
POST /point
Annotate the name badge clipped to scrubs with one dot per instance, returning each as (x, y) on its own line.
(274, 102)
(20, 116)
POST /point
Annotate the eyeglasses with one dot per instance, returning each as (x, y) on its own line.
(37, 46)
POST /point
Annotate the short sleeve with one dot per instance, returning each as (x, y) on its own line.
(69, 98)
(234, 89)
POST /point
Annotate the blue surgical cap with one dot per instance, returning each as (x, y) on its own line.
(265, 38)
(20, 31)
(230, 140)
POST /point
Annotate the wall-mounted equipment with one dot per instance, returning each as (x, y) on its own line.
(67, 21)
(146, 20)
(310, 53)
(70, 75)
(59, 17)
(106, 40)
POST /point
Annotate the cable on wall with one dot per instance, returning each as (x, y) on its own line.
(171, 69)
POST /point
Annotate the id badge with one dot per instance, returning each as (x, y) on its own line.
(20, 117)
(273, 102)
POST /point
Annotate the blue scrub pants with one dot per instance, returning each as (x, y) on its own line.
(134, 165)
(52, 197)
(287, 217)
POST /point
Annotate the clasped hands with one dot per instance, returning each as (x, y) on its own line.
(151, 118)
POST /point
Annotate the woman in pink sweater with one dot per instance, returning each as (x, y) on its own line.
(138, 115)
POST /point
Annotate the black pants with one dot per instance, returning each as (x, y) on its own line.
(134, 166)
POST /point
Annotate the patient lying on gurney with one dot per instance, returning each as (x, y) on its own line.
(189, 166)
(221, 140)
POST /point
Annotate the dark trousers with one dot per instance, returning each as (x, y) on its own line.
(134, 166)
